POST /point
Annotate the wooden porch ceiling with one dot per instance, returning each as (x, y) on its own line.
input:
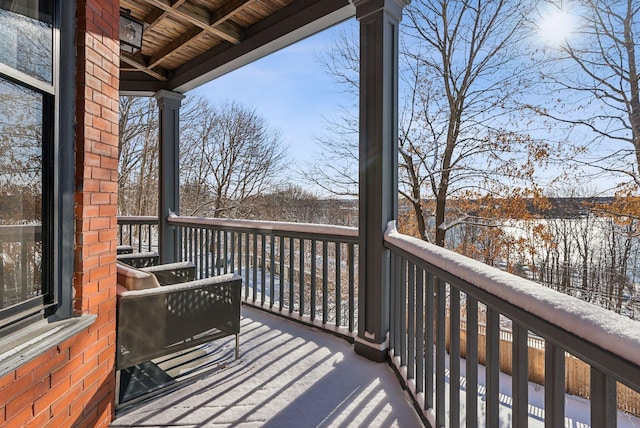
(189, 42)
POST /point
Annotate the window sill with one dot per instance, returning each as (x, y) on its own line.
(26, 344)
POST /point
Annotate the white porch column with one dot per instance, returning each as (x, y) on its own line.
(169, 182)
(379, 21)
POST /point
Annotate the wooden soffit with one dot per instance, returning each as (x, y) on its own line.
(189, 42)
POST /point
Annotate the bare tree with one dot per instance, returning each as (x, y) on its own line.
(138, 156)
(594, 73)
(229, 155)
(461, 137)
(335, 166)
(461, 130)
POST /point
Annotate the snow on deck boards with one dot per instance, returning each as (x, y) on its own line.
(291, 375)
(288, 375)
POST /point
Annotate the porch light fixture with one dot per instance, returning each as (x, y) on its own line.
(130, 32)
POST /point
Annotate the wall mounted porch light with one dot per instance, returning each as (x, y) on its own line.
(130, 32)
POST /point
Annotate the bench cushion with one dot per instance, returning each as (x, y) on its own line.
(134, 279)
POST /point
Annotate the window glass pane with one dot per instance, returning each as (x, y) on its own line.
(21, 116)
(26, 32)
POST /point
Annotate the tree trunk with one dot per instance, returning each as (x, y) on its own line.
(634, 101)
(441, 204)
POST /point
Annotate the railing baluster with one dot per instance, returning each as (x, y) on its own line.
(208, 257)
(429, 343)
(520, 374)
(232, 255)
(441, 316)
(292, 245)
(471, 357)
(402, 312)
(187, 242)
(554, 378)
(281, 297)
(247, 264)
(263, 277)
(272, 273)
(217, 252)
(225, 252)
(603, 400)
(338, 284)
(411, 311)
(178, 240)
(325, 282)
(240, 256)
(393, 305)
(314, 278)
(254, 267)
(191, 244)
(352, 292)
(419, 330)
(202, 247)
(454, 356)
(149, 245)
(493, 367)
(180, 244)
(302, 281)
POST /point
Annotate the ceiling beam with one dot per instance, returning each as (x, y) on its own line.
(217, 18)
(199, 17)
(184, 40)
(228, 10)
(300, 19)
(153, 19)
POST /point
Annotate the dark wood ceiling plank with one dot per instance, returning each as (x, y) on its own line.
(154, 18)
(227, 11)
(182, 41)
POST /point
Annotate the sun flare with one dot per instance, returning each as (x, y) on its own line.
(556, 26)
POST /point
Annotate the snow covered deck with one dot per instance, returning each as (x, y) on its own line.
(287, 375)
(293, 375)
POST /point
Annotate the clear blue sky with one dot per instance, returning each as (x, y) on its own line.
(289, 89)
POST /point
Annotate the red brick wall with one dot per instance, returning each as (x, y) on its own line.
(73, 384)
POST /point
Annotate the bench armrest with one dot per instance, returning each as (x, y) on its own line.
(139, 260)
(173, 273)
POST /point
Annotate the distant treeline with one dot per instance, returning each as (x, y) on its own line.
(569, 207)
(565, 208)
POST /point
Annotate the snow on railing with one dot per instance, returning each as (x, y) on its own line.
(432, 286)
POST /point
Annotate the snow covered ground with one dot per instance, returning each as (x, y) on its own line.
(577, 409)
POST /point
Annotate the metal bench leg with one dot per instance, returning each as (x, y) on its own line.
(237, 345)
(117, 388)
